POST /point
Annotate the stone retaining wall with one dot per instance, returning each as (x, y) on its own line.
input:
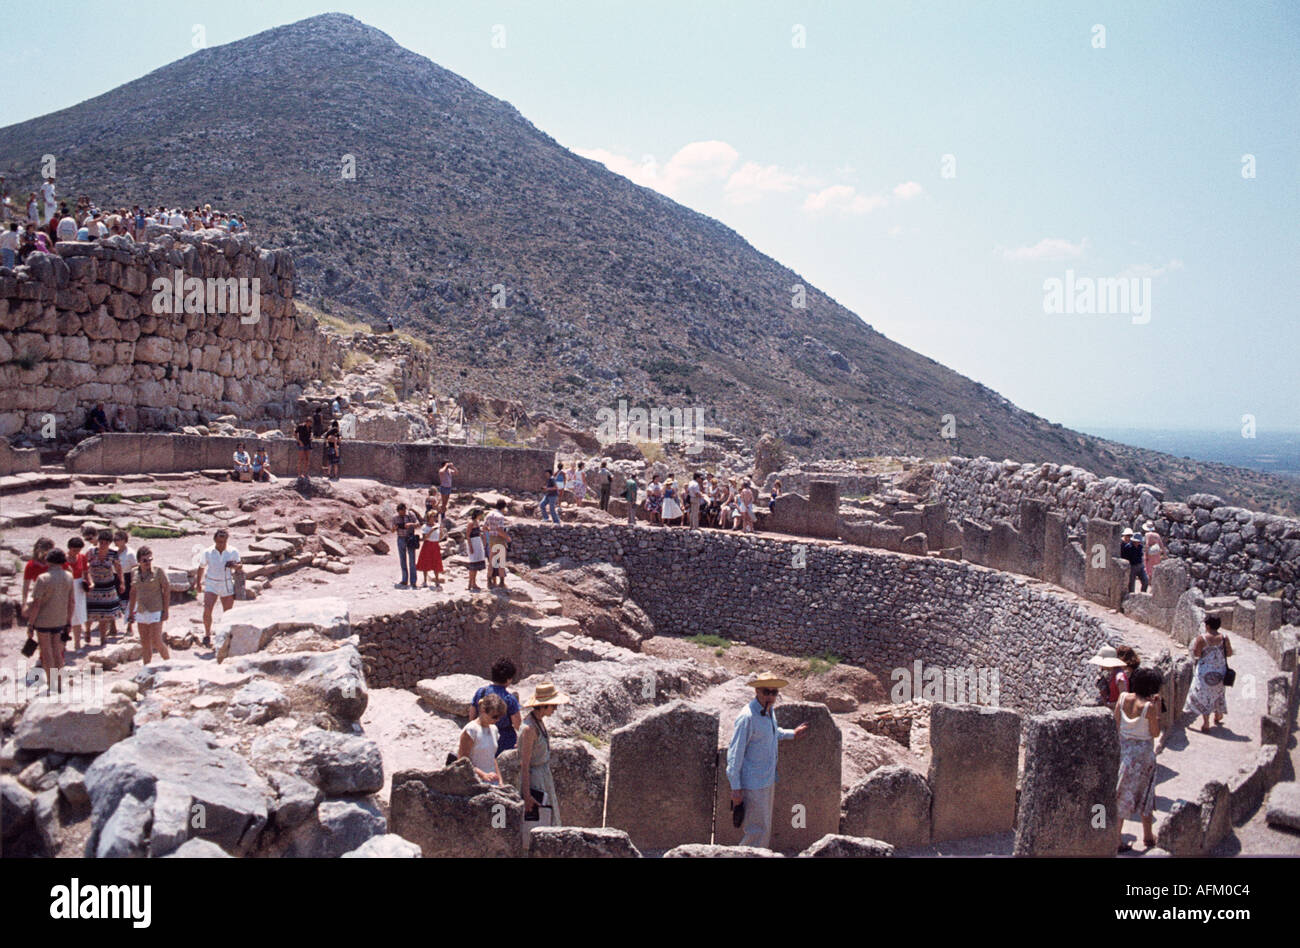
(1228, 550)
(84, 325)
(872, 608)
(518, 469)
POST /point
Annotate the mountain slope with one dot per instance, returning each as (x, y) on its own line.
(610, 290)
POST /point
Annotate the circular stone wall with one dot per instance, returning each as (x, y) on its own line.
(875, 609)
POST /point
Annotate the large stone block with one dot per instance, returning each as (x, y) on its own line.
(661, 777)
(933, 518)
(1268, 616)
(1243, 618)
(1216, 814)
(1074, 567)
(824, 496)
(87, 727)
(1071, 769)
(834, 846)
(974, 757)
(1033, 522)
(1169, 580)
(976, 539)
(892, 804)
(1141, 607)
(806, 804)
(1101, 547)
(1055, 539)
(450, 812)
(1189, 617)
(550, 842)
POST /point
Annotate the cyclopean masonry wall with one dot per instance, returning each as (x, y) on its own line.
(79, 326)
(517, 469)
(875, 609)
(1228, 550)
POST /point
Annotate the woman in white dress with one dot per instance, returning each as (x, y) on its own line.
(672, 506)
(478, 739)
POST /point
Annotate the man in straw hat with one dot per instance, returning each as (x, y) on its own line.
(1110, 663)
(751, 759)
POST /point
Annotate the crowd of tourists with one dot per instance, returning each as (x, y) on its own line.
(41, 221)
(1132, 692)
(698, 500)
(98, 580)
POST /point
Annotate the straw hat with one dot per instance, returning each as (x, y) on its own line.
(1106, 658)
(1126, 532)
(546, 693)
(1149, 527)
(767, 680)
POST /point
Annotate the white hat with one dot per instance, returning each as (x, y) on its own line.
(1127, 532)
(1149, 527)
(1106, 657)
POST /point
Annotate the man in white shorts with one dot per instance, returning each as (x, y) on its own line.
(216, 576)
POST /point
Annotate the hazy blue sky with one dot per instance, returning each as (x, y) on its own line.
(1122, 161)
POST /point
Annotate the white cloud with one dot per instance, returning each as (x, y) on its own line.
(1147, 270)
(693, 164)
(844, 198)
(751, 182)
(1049, 248)
(907, 190)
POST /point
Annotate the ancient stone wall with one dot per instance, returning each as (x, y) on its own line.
(520, 469)
(1229, 550)
(85, 324)
(872, 608)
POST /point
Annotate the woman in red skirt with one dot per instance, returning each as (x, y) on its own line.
(430, 558)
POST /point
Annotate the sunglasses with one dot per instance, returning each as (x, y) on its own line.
(767, 691)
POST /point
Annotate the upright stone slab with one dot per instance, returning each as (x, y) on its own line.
(1055, 539)
(1067, 798)
(1033, 522)
(933, 517)
(1169, 580)
(1004, 547)
(974, 756)
(1189, 616)
(976, 539)
(1268, 616)
(661, 777)
(1100, 548)
(806, 805)
(1073, 567)
(1243, 618)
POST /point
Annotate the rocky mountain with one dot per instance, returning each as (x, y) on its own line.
(535, 274)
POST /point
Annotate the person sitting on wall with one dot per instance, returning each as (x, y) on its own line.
(261, 465)
(97, 420)
(119, 420)
(243, 463)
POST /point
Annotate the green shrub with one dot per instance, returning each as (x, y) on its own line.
(821, 664)
(710, 641)
(155, 533)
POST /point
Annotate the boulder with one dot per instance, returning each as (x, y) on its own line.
(125, 832)
(581, 842)
(450, 693)
(88, 728)
(388, 846)
(198, 849)
(450, 812)
(1282, 808)
(231, 795)
(258, 702)
(337, 677)
(295, 799)
(171, 818)
(710, 851)
(839, 847)
(248, 629)
(339, 764)
(892, 804)
(16, 805)
(1216, 814)
(336, 827)
(1071, 769)
(1180, 832)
